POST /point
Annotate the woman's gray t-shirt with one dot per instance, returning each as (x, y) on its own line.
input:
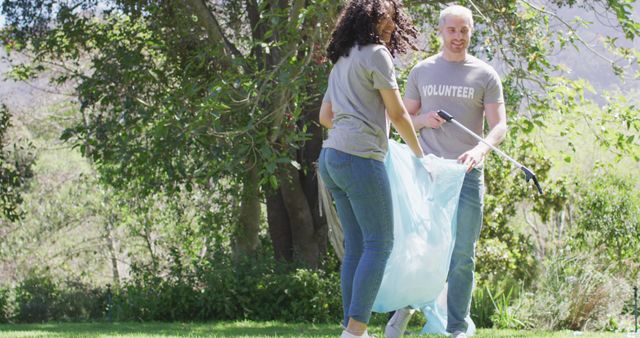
(360, 124)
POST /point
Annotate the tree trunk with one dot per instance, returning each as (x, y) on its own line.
(308, 157)
(112, 251)
(279, 227)
(305, 248)
(297, 231)
(246, 240)
(147, 238)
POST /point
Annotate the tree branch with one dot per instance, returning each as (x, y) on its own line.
(296, 8)
(571, 29)
(212, 27)
(411, 3)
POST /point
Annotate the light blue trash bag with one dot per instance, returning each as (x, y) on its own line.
(436, 314)
(425, 199)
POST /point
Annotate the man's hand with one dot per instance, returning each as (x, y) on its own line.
(473, 157)
(497, 119)
(431, 120)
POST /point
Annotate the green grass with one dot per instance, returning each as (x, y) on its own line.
(232, 329)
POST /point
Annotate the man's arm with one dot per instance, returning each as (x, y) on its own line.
(496, 116)
(428, 120)
(326, 115)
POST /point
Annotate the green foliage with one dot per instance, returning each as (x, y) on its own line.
(574, 291)
(250, 289)
(39, 299)
(15, 170)
(63, 228)
(503, 317)
(180, 98)
(504, 251)
(608, 218)
(36, 297)
(482, 307)
(496, 305)
(5, 305)
(81, 302)
(164, 106)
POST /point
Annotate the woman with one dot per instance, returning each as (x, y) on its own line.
(362, 85)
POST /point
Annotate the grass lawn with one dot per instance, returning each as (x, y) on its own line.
(234, 329)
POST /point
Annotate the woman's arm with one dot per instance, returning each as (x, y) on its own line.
(326, 115)
(400, 119)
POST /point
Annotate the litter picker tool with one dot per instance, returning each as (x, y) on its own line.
(527, 172)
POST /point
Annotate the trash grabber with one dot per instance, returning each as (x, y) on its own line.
(527, 172)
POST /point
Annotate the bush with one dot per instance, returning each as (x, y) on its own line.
(40, 299)
(254, 289)
(482, 307)
(574, 292)
(608, 217)
(219, 289)
(496, 305)
(5, 305)
(154, 298)
(504, 251)
(303, 296)
(36, 298)
(80, 302)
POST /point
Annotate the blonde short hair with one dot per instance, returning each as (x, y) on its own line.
(456, 10)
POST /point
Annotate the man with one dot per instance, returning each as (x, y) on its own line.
(469, 89)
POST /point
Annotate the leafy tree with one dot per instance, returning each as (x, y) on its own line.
(15, 170)
(608, 217)
(172, 103)
(223, 96)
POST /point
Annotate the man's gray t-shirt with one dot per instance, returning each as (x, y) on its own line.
(360, 124)
(460, 88)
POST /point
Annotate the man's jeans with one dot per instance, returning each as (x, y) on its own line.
(360, 188)
(461, 269)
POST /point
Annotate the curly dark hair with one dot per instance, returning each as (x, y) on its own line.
(357, 25)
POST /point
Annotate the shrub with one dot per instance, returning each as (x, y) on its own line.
(255, 289)
(482, 307)
(80, 302)
(574, 292)
(608, 217)
(38, 298)
(303, 296)
(494, 305)
(505, 314)
(5, 305)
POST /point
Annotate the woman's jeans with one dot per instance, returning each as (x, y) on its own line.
(360, 188)
(463, 262)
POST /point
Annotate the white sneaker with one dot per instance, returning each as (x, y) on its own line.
(459, 334)
(347, 334)
(398, 323)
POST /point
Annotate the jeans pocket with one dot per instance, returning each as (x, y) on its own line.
(337, 159)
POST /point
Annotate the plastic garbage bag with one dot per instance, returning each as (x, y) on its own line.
(436, 314)
(425, 200)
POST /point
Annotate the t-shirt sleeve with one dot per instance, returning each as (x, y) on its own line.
(411, 90)
(382, 70)
(327, 93)
(493, 92)
(327, 96)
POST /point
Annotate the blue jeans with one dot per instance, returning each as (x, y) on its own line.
(463, 262)
(361, 191)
